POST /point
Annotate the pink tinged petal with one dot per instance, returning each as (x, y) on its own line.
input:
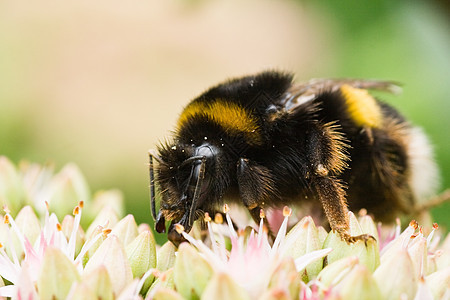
(112, 255)
(33, 260)
(423, 292)
(25, 285)
(57, 275)
(402, 281)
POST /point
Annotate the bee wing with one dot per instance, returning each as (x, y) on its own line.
(304, 92)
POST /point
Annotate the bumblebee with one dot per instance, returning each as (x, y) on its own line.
(267, 142)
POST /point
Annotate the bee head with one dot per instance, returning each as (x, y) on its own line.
(185, 176)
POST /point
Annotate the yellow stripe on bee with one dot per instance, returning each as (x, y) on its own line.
(362, 107)
(232, 118)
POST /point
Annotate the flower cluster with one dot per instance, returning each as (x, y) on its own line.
(114, 258)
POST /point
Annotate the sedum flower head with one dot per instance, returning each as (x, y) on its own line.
(51, 250)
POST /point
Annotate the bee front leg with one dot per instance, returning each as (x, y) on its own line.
(256, 188)
(332, 197)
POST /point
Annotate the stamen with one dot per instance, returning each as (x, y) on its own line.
(226, 209)
(179, 228)
(282, 231)
(81, 204)
(362, 212)
(106, 232)
(6, 219)
(430, 236)
(76, 210)
(262, 215)
(218, 218)
(287, 212)
(414, 224)
(207, 218)
(58, 227)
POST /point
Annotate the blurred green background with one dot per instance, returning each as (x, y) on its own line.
(98, 83)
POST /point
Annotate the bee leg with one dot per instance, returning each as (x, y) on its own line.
(332, 197)
(256, 187)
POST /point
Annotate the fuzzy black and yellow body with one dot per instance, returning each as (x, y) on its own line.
(269, 143)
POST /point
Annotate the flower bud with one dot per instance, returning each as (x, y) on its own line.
(28, 223)
(99, 283)
(191, 272)
(80, 291)
(358, 284)
(109, 198)
(143, 227)
(57, 275)
(112, 255)
(354, 227)
(163, 281)
(304, 238)
(66, 190)
(401, 281)
(368, 226)
(166, 257)
(287, 278)
(322, 234)
(276, 294)
(366, 251)
(126, 230)
(223, 287)
(12, 193)
(141, 254)
(165, 294)
(334, 272)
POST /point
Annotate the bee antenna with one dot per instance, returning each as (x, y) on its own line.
(152, 184)
(198, 187)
